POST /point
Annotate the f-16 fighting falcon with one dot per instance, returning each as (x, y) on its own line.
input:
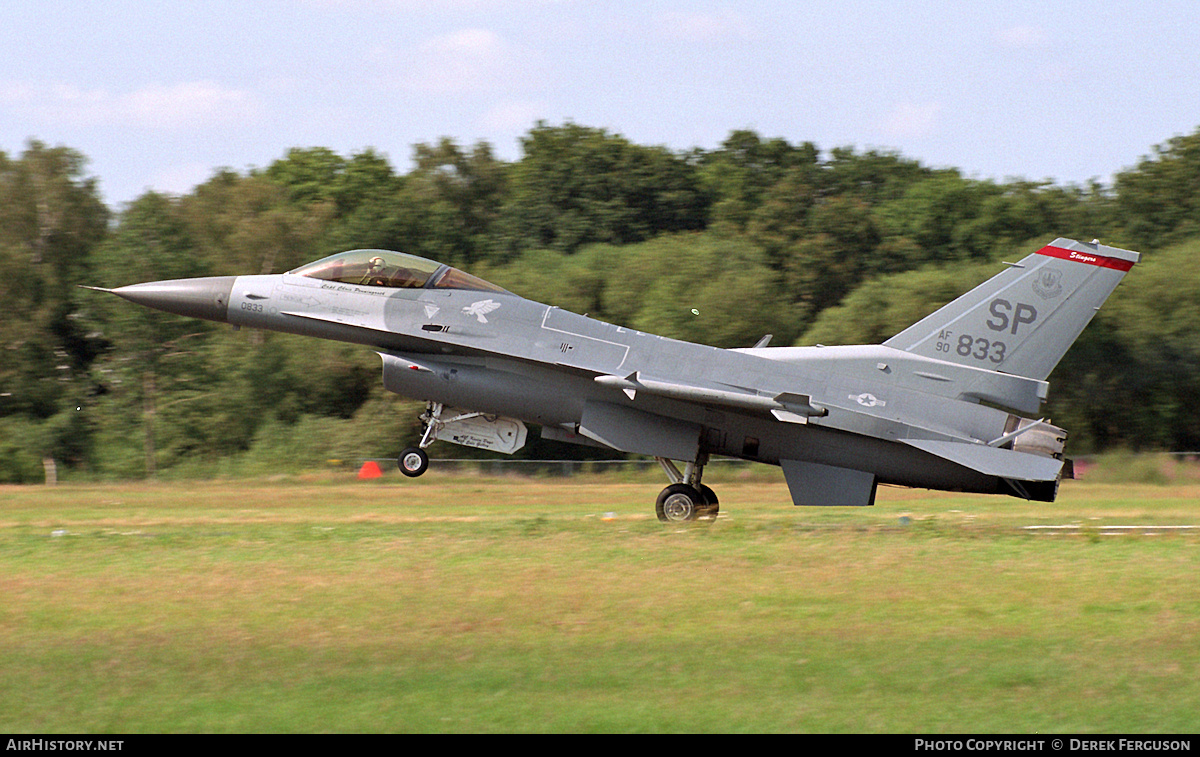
(951, 402)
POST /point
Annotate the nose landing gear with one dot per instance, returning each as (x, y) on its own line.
(413, 461)
(466, 427)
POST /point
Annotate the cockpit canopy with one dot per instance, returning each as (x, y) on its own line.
(383, 268)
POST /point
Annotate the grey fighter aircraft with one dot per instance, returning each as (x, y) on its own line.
(952, 402)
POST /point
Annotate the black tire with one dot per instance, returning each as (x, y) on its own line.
(711, 506)
(413, 462)
(678, 503)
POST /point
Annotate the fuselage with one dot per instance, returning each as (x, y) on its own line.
(498, 353)
(940, 405)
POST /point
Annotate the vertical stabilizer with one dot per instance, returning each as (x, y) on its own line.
(1023, 320)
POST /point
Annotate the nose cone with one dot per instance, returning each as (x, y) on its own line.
(206, 298)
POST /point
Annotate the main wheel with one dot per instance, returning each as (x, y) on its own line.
(711, 506)
(413, 462)
(678, 503)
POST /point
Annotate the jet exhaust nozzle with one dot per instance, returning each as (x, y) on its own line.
(206, 298)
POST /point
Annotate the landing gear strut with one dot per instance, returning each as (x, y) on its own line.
(686, 498)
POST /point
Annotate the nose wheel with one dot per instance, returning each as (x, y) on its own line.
(686, 499)
(413, 462)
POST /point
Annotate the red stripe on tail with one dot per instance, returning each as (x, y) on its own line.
(1086, 257)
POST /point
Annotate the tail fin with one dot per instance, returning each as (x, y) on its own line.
(1023, 320)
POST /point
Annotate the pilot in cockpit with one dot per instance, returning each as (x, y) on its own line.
(375, 272)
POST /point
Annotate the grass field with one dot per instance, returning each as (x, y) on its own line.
(473, 604)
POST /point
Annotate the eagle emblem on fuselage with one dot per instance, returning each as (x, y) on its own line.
(481, 309)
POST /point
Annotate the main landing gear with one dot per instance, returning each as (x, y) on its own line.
(686, 498)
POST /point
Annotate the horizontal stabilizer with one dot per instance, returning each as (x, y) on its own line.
(992, 461)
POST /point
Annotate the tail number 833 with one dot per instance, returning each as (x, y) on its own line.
(978, 348)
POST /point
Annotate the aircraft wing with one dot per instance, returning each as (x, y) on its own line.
(992, 461)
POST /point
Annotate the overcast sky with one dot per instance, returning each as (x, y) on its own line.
(160, 94)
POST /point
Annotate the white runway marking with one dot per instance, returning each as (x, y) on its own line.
(1110, 530)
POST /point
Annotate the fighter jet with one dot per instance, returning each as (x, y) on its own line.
(951, 402)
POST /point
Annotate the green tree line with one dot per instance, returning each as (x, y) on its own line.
(716, 246)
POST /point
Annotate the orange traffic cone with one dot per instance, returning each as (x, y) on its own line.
(370, 469)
